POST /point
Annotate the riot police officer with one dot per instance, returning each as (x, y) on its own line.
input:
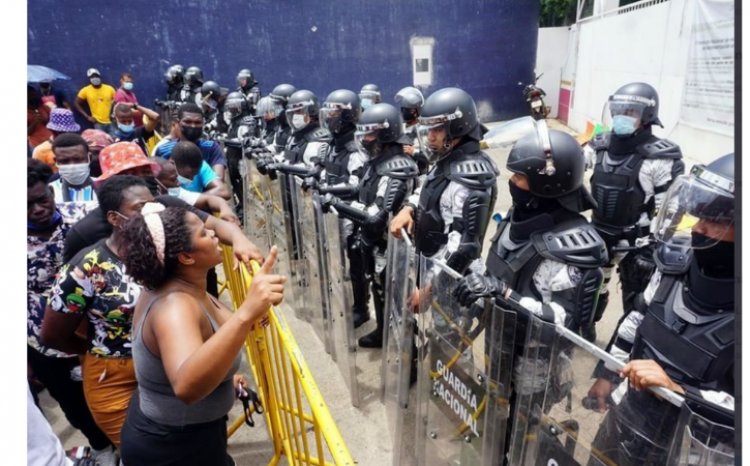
(280, 95)
(174, 79)
(276, 130)
(369, 95)
(342, 169)
(387, 181)
(632, 170)
(241, 127)
(210, 98)
(455, 200)
(192, 83)
(249, 87)
(680, 335)
(410, 101)
(545, 257)
(308, 141)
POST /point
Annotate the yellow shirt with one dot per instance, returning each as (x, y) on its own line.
(99, 100)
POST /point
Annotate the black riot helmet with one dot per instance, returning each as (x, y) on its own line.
(282, 92)
(411, 100)
(235, 104)
(210, 94)
(174, 75)
(552, 162)
(302, 110)
(634, 100)
(379, 125)
(706, 194)
(369, 95)
(245, 79)
(340, 111)
(194, 76)
(448, 114)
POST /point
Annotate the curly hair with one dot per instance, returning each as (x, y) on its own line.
(140, 257)
(110, 192)
(37, 172)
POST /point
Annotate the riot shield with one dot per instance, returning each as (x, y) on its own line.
(399, 346)
(556, 420)
(340, 300)
(275, 214)
(290, 201)
(702, 442)
(313, 283)
(254, 192)
(463, 373)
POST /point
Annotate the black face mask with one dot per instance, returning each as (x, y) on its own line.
(715, 261)
(409, 114)
(522, 199)
(190, 133)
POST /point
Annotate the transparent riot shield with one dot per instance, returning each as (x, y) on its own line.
(558, 420)
(399, 346)
(463, 375)
(341, 299)
(276, 220)
(254, 193)
(314, 286)
(298, 275)
(702, 442)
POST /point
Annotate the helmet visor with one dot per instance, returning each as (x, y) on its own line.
(268, 108)
(366, 137)
(434, 136)
(693, 204)
(331, 116)
(233, 106)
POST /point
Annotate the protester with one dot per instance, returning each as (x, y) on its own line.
(61, 121)
(94, 286)
(72, 158)
(193, 173)
(186, 343)
(97, 140)
(37, 116)
(98, 97)
(126, 95)
(52, 97)
(124, 127)
(59, 372)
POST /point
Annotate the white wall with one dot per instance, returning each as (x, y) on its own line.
(650, 45)
(550, 58)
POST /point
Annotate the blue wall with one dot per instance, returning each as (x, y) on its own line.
(484, 47)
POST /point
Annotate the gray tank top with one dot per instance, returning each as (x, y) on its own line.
(157, 399)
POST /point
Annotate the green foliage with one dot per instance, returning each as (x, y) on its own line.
(557, 13)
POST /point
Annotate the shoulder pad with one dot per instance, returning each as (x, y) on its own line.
(674, 258)
(660, 149)
(400, 167)
(600, 141)
(477, 172)
(575, 243)
(247, 120)
(351, 146)
(320, 134)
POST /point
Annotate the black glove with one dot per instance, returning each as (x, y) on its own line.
(327, 201)
(475, 286)
(310, 182)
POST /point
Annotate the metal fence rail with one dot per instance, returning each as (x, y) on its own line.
(299, 423)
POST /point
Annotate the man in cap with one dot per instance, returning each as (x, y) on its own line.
(98, 97)
(97, 140)
(60, 121)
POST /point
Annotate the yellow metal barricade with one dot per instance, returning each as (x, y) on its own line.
(299, 422)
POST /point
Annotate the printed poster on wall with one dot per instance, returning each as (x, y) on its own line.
(708, 98)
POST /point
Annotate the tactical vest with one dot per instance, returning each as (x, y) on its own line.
(465, 165)
(368, 188)
(296, 146)
(336, 163)
(694, 346)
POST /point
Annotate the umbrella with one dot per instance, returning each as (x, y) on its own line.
(39, 73)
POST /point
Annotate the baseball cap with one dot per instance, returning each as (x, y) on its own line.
(91, 72)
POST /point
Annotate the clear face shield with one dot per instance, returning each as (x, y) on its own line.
(268, 109)
(331, 116)
(626, 112)
(702, 203)
(297, 116)
(434, 135)
(366, 138)
(232, 109)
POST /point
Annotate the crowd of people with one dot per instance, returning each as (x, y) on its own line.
(126, 332)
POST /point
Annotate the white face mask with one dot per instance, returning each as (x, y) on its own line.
(298, 121)
(74, 174)
(127, 85)
(174, 191)
(96, 81)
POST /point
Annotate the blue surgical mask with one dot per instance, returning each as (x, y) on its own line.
(366, 103)
(126, 129)
(624, 125)
(184, 181)
(128, 86)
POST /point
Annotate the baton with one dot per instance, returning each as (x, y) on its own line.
(568, 334)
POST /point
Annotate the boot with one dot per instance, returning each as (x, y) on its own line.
(374, 339)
